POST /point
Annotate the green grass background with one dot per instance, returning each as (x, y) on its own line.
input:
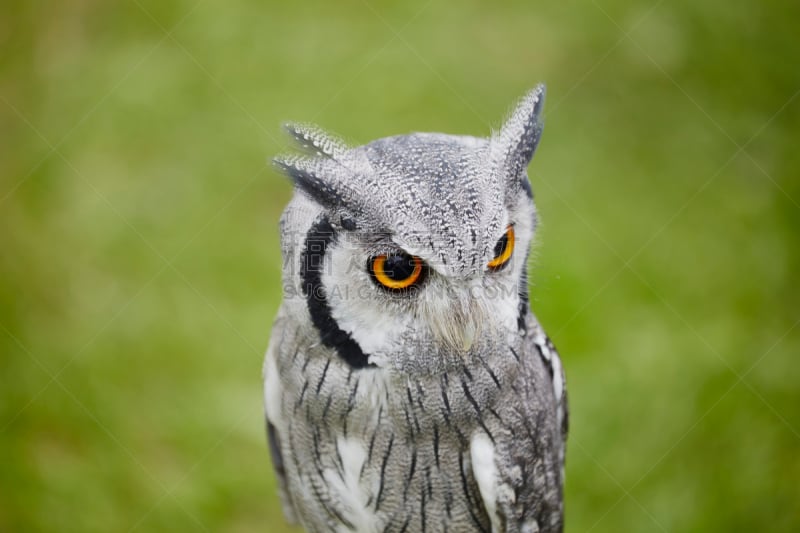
(139, 272)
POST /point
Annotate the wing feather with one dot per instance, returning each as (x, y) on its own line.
(274, 418)
(526, 483)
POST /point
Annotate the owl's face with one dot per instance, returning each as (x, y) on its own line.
(410, 252)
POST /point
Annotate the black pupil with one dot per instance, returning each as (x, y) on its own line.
(500, 247)
(399, 267)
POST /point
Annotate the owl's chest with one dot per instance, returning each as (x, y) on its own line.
(378, 453)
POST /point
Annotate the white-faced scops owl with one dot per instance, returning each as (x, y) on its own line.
(408, 386)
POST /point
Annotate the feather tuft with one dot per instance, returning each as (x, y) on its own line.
(315, 140)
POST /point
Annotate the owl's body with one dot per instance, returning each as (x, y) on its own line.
(427, 397)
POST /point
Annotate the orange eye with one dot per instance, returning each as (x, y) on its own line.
(503, 250)
(396, 271)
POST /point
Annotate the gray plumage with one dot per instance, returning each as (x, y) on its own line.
(436, 407)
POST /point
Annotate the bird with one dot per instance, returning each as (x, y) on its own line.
(408, 385)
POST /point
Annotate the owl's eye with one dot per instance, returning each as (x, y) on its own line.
(503, 250)
(396, 271)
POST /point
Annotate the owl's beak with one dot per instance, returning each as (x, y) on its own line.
(457, 320)
(468, 337)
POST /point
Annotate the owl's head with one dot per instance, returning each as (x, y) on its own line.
(410, 252)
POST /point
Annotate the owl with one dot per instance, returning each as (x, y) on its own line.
(408, 386)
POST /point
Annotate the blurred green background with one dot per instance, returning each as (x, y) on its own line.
(139, 272)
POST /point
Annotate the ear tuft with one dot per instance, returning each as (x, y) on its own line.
(305, 174)
(316, 141)
(321, 174)
(520, 134)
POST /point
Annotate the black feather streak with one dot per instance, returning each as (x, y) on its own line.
(318, 238)
(351, 400)
(371, 446)
(436, 444)
(445, 399)
(411, 471)
(405, 524)
(327, 406)
(523, 299)
(422, 510)
(489, 370)
(322, 377)
(275, 451)
(385, 461)
(477, 408)
(302, 395)
(429, 485)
